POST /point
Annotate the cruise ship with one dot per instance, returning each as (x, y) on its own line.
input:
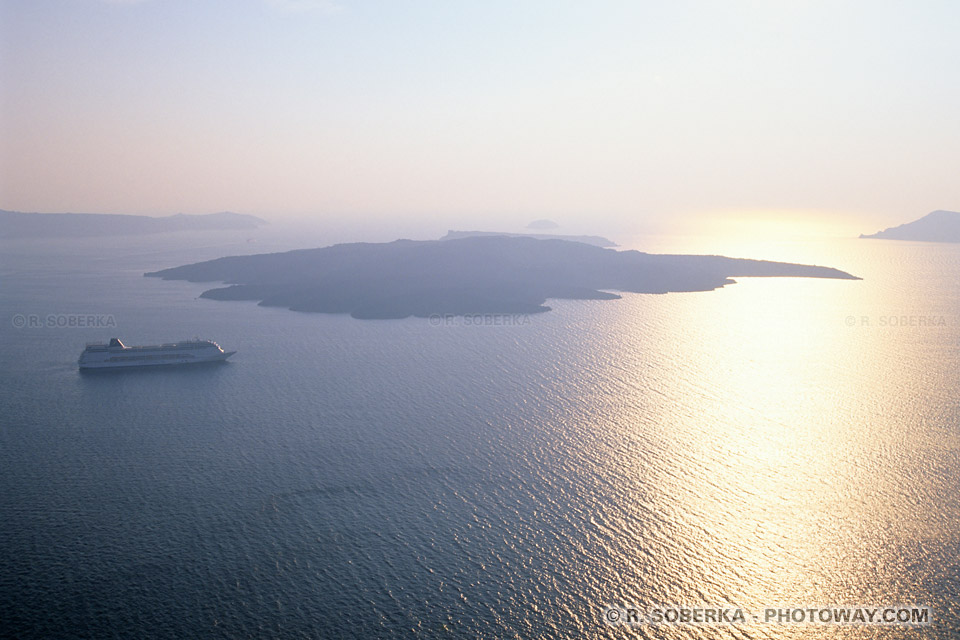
(98, 355)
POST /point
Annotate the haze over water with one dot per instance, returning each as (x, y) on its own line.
(776, 442)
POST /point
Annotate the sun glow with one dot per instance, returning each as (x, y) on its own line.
(783, 224)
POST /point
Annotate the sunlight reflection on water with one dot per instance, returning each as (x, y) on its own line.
(798, 456)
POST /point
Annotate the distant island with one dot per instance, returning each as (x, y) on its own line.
(15, 224)
(597, 241)
(936, 226)
(480, 274)
(543, 224)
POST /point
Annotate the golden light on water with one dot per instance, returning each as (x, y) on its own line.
(786, 452)
(756, 227)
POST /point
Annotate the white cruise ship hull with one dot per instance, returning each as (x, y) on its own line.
(118, 356)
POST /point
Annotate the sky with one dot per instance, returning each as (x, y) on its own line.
(608, 115)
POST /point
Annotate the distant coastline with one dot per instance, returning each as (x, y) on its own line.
(597, 241)
(16, 224)
(936, 226)
(480, 274)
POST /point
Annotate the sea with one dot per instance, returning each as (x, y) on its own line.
(607, 469)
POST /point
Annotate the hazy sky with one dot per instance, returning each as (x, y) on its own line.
(616, 113)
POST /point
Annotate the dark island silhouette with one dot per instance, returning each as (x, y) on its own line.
(936, 226)
(597, 241)
(15, 224)
(485, 274)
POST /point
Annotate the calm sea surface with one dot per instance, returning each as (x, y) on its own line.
(779, 442)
